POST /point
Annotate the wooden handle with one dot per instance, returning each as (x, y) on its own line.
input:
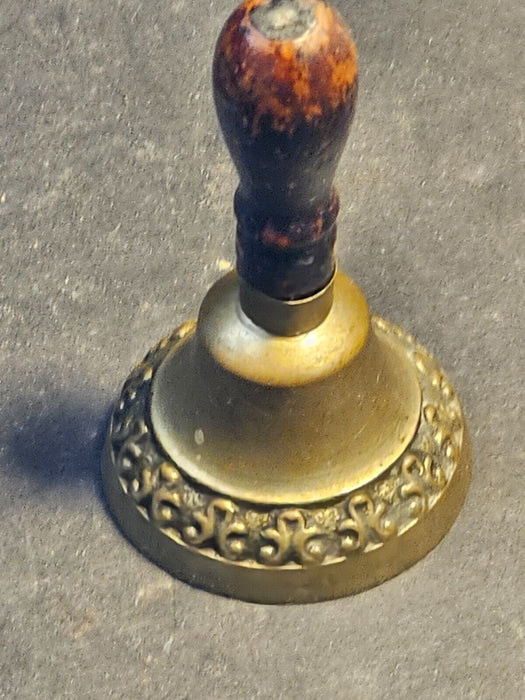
(285, 86)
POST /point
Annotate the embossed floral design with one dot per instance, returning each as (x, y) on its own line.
(221, 524)
(309, 535)
(291, 538)
(368, 521)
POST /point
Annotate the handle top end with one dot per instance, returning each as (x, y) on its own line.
(292, 61)
(282, 20)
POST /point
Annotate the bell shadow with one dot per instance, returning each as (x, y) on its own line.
(56, 442)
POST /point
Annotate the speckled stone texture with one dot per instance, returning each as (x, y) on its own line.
(116, 216)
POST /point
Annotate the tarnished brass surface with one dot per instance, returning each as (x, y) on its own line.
(248, 351)
(272, 419)
(299, 548)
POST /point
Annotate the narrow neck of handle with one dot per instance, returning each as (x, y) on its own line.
(286, 257)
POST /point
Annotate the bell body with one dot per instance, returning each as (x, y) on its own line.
(286, 468)
(285, 420)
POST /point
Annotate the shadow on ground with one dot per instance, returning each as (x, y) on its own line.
(56, 441)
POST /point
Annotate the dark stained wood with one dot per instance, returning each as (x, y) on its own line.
(285, 107)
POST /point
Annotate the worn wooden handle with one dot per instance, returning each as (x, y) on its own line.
(285, 85)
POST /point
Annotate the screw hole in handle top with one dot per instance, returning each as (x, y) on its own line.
(285, 86)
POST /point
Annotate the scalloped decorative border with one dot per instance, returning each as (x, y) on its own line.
(318, 533)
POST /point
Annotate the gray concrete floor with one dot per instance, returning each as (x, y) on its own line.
(115, 210)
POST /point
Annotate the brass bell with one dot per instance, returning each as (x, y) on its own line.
(287, 446)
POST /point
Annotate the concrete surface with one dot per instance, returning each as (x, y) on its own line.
(115, 206)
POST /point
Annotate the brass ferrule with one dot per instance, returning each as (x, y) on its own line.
(286, 318)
